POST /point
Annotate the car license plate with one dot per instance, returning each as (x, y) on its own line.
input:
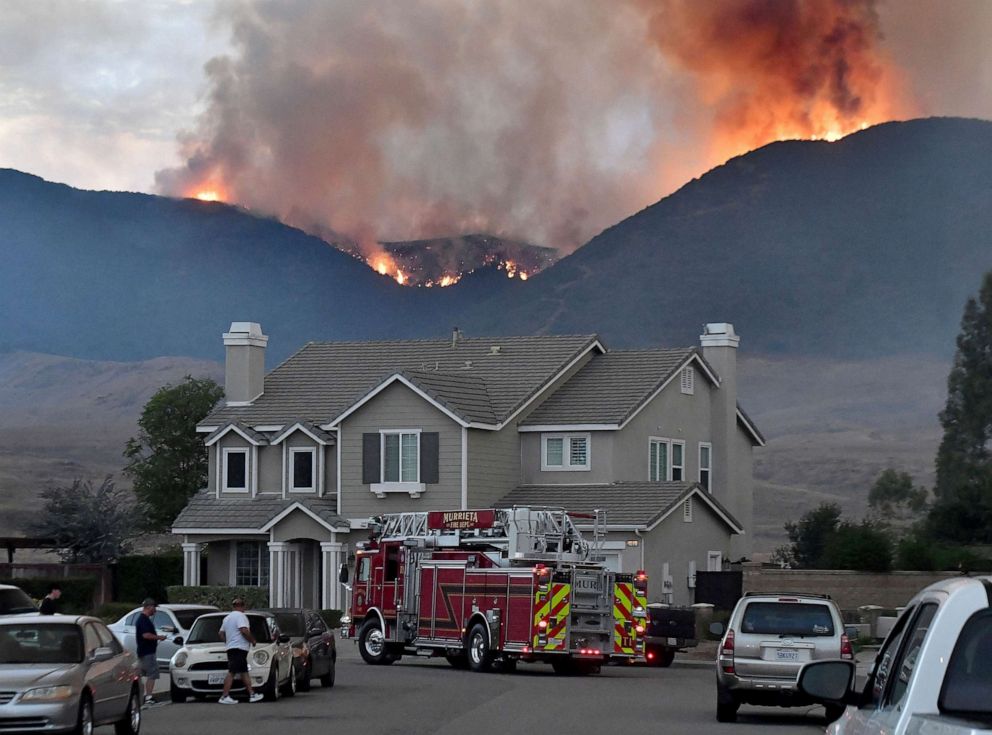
(216, 678)
(787, 654)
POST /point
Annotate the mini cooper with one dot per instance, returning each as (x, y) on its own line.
(200, 666)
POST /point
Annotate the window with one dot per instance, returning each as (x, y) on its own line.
(688, 380)
(236, 470)
(705, 466)
(879, 676)
(788, 619)
(687, 510)
(969, 675)
(565, 452)
(714, 561)
(906, 664)
(666, 460)
(302, 464)
(400, 457)
(251, 564)
(364, 569)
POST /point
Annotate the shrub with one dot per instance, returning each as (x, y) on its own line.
(111, 612)
(863, 547)
(222, 597)
(77, 594)
(920, 554)
(141, 576)
(332, 617)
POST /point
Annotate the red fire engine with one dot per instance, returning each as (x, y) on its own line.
(489, 588)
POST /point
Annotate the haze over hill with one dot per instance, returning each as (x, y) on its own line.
(866, 246)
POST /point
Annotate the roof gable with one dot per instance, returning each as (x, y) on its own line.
(245, 432)
(612, 388)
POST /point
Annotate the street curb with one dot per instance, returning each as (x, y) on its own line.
(694, 664)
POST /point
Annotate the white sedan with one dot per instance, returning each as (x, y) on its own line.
(172, 621)
(200, 666)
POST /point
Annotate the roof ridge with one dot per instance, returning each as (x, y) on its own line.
(443, 340)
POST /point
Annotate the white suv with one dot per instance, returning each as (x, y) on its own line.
(769, 638)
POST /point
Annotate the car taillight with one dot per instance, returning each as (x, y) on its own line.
(727, 653)
(641, 581)
(846, 651)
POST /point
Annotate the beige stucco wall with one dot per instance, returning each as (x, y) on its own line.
(493, 465)
(397, 407)
(601, 464)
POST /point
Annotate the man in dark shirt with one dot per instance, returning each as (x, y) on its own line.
(147, 639)
(48, 606)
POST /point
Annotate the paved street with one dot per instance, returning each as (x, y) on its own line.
(428, 696)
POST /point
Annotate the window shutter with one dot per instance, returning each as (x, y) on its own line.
(370, 459)
(429, 451)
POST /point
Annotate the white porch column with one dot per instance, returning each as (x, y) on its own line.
(191, 564)
(331, 558)
(277, 573)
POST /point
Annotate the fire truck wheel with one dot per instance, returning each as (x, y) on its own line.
(457, 660)
(372, 644)
(480, 658)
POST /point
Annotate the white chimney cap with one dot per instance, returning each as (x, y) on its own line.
(719, 334)
(245, 334)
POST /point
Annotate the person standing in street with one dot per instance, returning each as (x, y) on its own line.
(238, 640)
(147, 638)
(48, 604)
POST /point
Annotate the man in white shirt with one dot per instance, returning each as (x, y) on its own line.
(238, 640)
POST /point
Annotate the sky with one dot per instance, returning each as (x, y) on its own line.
(388, 119)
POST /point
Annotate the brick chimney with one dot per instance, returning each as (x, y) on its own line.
(244, 366)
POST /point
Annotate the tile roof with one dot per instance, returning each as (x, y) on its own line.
(324, 379)
(246, 430)
(609, 388)
(205, 510)
(626, 503)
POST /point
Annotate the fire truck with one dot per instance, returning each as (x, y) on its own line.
(488, 588)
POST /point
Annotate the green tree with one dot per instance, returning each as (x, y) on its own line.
(863, 547)
(167, 461)
(811, 534)
(962, 511)
(88, 524)
(893, 499)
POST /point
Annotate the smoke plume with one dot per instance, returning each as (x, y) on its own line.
(545, 121)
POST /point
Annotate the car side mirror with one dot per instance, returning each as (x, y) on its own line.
(284, 638)
(343, 574)
(103, 653)
(828, 682)
(314, 633)
(178, 640)
(717, 628)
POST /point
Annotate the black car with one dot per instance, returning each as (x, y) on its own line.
(314, 649)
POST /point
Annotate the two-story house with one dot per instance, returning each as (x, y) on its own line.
(301, 458)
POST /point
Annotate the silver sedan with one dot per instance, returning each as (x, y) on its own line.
(66, 673)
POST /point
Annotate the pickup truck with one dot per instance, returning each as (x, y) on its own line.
(932, 676)
(669, 629)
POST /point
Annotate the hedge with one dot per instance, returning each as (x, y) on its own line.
(222, 597)
(140, 576)
(332, 617)
(77, 593)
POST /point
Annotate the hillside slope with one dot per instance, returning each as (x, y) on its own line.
(868, 246)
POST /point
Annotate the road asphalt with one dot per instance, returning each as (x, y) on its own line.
(418, 695)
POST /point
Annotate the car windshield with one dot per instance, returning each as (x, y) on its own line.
(186, 618)
(290, 623)
(969, 675)
(41, 643)
(787, 618)
(14, 601)
(207, 629)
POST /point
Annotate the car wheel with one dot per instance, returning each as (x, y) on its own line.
(479, 656)
(177, 695)
(130, 723)
(271, 692)
(372, 644)
(726, 705)
(289, 688)
(327, 680)
(84, 722)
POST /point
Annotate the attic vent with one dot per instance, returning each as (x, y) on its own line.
(495, 350)
(688, 380)
(687, 510)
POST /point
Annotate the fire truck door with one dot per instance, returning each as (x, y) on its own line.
(392, 579)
